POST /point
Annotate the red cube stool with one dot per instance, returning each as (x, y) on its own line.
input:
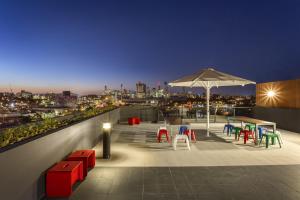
(131, 121)
(246, 134)
(62, 176)
(163, 132)
(137, 120)
(86, 156)
(134, 120)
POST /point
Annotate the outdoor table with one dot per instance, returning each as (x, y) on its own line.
(257, 123)
(86, 156)
(61, 177)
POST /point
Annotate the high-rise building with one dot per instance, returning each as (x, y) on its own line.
(140, 90)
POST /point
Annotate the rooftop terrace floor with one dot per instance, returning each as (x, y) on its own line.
(216, 167)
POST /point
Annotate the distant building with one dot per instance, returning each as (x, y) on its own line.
(66, 93)
(25, 94)
(66, 100)
(140, 90)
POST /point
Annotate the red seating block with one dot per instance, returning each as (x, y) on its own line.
(137, 120)
(163, 132)
(86, 156)
(61, 177)
(134, 120)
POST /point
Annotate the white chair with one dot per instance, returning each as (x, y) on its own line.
(181, 137)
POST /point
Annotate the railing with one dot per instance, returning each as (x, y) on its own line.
(217, 114)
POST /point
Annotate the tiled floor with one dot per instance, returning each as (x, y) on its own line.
(216, 168)
(229, 182)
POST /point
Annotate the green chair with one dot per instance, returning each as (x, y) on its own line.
(250, 127)
(236, 131)
(273, 136)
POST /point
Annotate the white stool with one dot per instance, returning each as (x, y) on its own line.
(181, 137)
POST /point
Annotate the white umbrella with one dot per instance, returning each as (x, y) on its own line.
(208, 78)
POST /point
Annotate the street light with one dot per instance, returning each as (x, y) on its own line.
(106, 126)
(106, 140)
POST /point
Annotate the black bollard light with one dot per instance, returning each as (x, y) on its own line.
(106, 140)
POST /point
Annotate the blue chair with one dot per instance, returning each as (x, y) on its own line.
(229, 128)
(260, 132)
(182, 129)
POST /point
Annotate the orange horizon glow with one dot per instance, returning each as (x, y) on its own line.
(76, 90)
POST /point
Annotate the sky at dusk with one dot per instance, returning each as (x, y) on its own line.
(84, 45)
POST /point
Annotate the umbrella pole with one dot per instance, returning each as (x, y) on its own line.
(207, 109)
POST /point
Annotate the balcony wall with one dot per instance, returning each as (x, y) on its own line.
(22, 169)
(285, 118)
(283, 107)
(286, 94)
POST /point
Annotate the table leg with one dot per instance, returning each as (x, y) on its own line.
(267, 141)
(256, 134)
(228, 128)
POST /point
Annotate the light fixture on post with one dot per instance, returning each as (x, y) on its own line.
(106, 140)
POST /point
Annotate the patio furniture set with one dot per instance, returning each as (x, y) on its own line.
(184, 134)
(254, 128)
(63, 175)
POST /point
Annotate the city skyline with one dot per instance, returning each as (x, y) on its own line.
(78, 46)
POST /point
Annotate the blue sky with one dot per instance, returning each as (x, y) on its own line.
(83, 45)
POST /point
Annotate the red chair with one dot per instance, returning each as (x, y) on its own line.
(163, 132)
(246, 134)
(191, 135)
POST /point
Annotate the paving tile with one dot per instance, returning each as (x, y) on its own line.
(160, 197)
(159, 189)
(124, 197)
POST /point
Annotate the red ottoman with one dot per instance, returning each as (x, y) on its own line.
(61, 177)
(86, 156)
(131, 121)
(134, 120)
(137, 120)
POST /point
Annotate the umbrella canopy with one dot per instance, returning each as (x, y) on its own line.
(208, 78)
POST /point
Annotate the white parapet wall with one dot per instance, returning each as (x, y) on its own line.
(22, 169)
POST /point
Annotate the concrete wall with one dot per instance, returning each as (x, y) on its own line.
(146, 113)
(285, 118)
(22, 169)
